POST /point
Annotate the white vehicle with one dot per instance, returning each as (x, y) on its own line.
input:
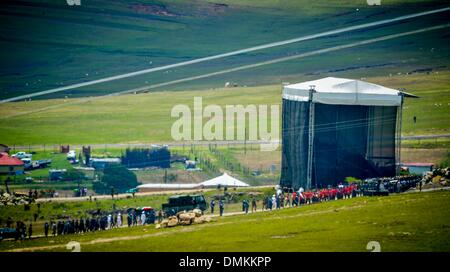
(22, 155)
(72, 155)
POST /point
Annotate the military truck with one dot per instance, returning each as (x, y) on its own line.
(374, 187)
(179, 203)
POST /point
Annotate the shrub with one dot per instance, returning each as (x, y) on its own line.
(117, 177)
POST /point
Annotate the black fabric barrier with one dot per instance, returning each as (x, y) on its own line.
(349, 140)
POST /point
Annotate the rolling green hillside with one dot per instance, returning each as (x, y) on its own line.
(145, 118)
(48, 44)
(399, 223)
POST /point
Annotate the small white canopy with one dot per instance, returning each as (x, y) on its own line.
(342, 91)
(224, 180)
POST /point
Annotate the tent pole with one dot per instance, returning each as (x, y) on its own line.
(310, 138)
(399, 135)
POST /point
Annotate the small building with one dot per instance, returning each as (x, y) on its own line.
(10, 165)
(101, 163)
(4, 148)
(418, 168)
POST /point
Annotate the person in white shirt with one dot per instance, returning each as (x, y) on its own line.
(143, 218)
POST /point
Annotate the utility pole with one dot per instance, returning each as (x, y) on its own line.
(245, 141)
(310, 138)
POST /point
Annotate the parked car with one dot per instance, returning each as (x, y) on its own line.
(22, 155)
(6, 233)
(72, 155)
(30, 164)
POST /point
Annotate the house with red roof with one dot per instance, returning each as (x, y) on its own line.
(4, 148)
(10, 165)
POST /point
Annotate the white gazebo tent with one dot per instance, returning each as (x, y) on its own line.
(224, 180)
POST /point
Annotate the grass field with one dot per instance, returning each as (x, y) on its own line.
(60, 209)
(405, 222)
(55, 45)
(146, 117)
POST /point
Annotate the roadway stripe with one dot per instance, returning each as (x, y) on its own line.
(232, 53)
(298, 56)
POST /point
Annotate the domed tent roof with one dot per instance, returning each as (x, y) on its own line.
(224, 180)
(342, 91)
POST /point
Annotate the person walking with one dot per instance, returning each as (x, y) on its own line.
(46, 227)
(246, 205)
(212, 204)
(30, 231)
(160, 216)
(134, 217)
(129, 220)
(119, 219)
(253, 205)
(143, 218)
(24, 230)
(53, 229)
(221, 207)
(109, 221)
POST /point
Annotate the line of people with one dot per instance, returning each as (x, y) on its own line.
(83, 225)
(291, 198)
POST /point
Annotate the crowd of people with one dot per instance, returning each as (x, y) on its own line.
(212, 204)
(288, 198)
(283, 197)
(68, 226)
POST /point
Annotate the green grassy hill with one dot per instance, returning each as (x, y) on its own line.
(406, 222)
(145, 118)
(48, 44)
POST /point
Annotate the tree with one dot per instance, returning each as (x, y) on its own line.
(117, 177)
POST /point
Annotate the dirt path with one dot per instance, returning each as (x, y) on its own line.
(122, 196)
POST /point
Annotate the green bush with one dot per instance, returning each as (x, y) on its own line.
(352, 180)
(117, 177)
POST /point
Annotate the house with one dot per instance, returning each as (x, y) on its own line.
(418, 168)
(4, 148)
(101, 163)
(10, 165)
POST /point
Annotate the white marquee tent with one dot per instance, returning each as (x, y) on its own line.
(342, 91)
(224, 180)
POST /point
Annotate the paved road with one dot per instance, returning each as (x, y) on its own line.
(425, 137)
(122, 196)
(232, 53)
(187, 144)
